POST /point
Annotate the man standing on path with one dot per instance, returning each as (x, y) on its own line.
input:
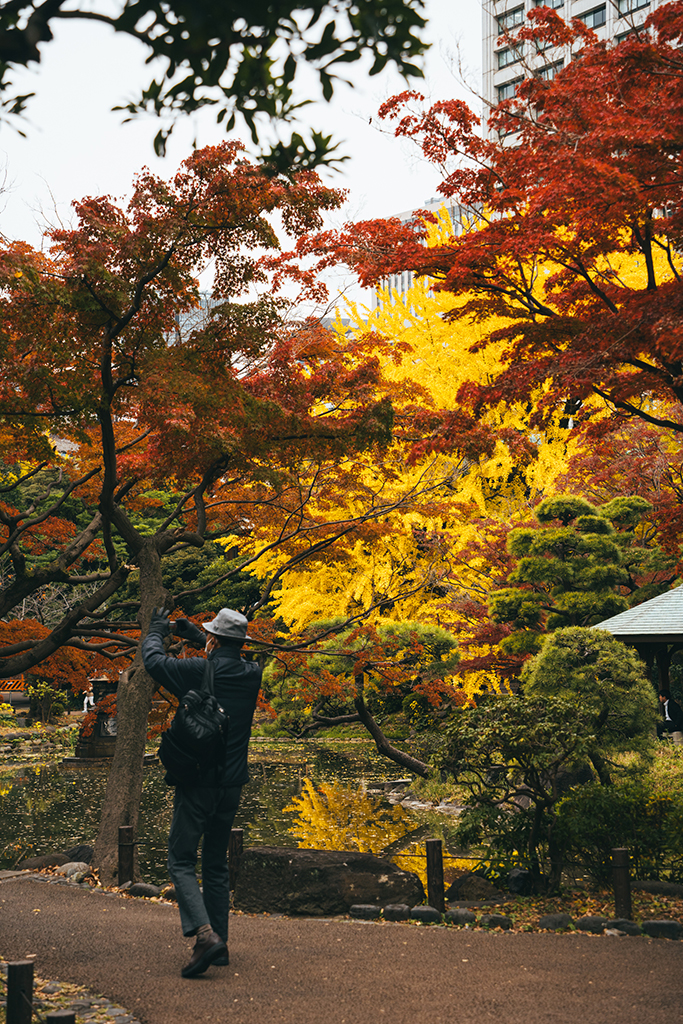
(207, 810)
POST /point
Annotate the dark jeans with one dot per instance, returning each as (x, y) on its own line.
(208, 812)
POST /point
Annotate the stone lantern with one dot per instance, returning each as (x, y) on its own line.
(102, 741)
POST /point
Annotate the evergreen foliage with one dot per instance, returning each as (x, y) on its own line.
(603, 677)
(577, 573)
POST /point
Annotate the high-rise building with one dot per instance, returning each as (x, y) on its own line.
(402, 282)
(505, 64)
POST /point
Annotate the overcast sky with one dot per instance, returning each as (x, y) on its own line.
(77, 147)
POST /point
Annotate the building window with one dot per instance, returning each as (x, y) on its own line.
(509, 55)
(626, 6)
(595, 18)
(549, 71)
(508, 90)
(510, 20)
(549, 3)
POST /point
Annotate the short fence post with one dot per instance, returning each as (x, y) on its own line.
(126, 854)
(435, 894)
(235, 850)
(61, 1017)
(19, 991)
(621, 881)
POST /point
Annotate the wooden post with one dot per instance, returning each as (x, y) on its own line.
(434, 853)
(19, 991)
(126, 854)
(621, 882)
(235, 850)
(61, 1017)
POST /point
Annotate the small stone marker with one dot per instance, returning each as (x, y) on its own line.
(397, 912)
(591, 923)
(555, 922)
(428, 915)
(495, 921)
(663, 929)
(365, 911)
(460, 916)
(623, 924)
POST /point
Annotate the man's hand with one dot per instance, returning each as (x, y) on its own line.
(188, 632)
(159, 623)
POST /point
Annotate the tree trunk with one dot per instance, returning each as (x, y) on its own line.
(600, 765)
(382, 743)
(121, 804)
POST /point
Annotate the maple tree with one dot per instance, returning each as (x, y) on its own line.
(634, 457)
(583, 259)
(375, 666)
(104, 384)
(243, 60)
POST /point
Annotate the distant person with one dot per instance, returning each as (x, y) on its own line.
(88, 700)
(672, 718)
(209, 810)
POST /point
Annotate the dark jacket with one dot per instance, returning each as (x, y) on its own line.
(675, 721)
(236, 686)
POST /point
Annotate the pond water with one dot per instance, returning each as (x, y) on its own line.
(56, 806)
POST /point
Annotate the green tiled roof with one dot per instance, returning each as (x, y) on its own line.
(659, 620)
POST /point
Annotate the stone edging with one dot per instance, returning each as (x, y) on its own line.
(460, 917)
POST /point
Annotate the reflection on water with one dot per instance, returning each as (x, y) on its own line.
(332, 816)
(55, 806)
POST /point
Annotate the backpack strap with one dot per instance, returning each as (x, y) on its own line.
(207, 680)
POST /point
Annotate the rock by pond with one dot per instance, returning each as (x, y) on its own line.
(319, 882)
(472, 887)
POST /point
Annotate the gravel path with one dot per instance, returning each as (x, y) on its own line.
(335, 971)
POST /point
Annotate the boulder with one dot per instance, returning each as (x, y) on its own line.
(275, 879)
(83, 853)
(659, 888)
(520, 882)
(470, 887)
(663, 929)
(47, 860)
(74, 867)
(555, 922)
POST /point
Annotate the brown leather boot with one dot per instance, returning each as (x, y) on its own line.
(204, 954)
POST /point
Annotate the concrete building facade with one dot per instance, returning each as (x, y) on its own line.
(504, 65)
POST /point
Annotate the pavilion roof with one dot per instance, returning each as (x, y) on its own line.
(659, 620)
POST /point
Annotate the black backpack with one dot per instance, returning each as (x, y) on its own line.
(193, 750)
